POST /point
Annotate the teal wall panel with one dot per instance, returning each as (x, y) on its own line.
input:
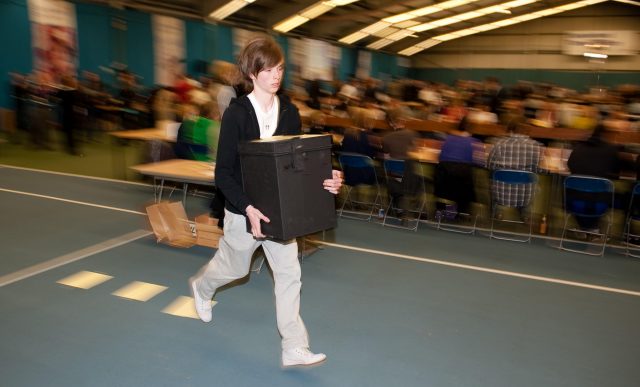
(224, 43)
(348, 63)
(16, 47)
(94, 34)
(577, 80)
(195, 47)
(139, 46)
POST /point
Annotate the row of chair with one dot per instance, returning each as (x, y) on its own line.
(587, 200)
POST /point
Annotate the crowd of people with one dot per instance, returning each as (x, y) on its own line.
(83, 108)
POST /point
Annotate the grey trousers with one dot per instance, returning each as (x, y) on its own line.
(233, 260)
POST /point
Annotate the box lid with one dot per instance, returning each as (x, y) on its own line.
(281, 145)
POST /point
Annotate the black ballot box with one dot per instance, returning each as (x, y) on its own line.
(283, 176)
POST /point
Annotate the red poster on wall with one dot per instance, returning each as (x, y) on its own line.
(55, 48)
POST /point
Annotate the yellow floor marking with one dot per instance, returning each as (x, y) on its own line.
(183, 307)
(85, 279)
(140, 291)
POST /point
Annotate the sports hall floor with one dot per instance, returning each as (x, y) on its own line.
(389, 307)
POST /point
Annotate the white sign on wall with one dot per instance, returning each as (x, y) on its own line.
(313, 59)
(601, 42)
(364, 64)
(168, 48)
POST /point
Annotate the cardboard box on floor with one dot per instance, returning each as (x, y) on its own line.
(171, 226)
(207, 231)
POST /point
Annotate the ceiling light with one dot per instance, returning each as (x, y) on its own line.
(230, 8)
(309, 13)
(316, 10)
(354, 37)
(502, 23)
(402, 17)
(386, 32)
(595, 55)
(406, 24)
(629, 2)
(372, 29)
(378, 44)
(290, 23)
(411, 50)
(340, 3)
(419, 47)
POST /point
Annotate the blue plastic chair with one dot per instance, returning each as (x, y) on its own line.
(394, 170)
(523, 185)
(358, 170)
(587, 199)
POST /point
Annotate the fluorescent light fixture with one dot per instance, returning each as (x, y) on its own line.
(502, 23)
(386, 32)
(401, 34)
(419, 47)
(290, 23)
(517, 3)
(394, 37)
(316, 10)
(372, 29)
(340, 3)
(403, 17)
(378, 44)
(595, 55)
(311, 12)
(629, 2)
(411, 50)
(230, 8)
(502, 8)
(354, 37)
(423, 27)
(407, 24)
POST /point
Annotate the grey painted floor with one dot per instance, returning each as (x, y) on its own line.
(389, 307)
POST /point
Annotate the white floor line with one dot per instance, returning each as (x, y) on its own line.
(71, 201)
(72, 257)
(74, 175)
(482, 269)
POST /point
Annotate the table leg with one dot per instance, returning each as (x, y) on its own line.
(161, 188)
(185, 187)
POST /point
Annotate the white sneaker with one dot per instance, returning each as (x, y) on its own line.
(301, 357)
(203, 307)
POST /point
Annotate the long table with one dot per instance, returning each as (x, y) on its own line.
(536, 132)
(178, 170)
(144, 135)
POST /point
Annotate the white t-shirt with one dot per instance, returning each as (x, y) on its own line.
(268, 121)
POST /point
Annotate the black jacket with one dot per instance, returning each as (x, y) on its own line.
(239, 124)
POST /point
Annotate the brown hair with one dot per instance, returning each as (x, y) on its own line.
(259, 53)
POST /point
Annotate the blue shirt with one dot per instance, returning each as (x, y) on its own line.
(458, 149)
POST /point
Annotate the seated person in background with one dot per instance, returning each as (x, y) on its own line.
(397, 145)
(480, 114)
(593, 157)
(194, 141)
(453, 178)
(519, 152)
(357, 139)
(617, 120)
(455, 111)
(585, 117)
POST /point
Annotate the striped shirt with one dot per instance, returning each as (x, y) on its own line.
(519, 152)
